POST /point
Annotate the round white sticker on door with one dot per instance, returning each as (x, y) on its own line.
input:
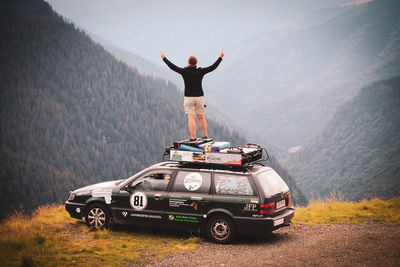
(138, 201)
(193, 181)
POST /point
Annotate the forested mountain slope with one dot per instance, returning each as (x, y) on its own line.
(292, 79)
(358, 154)
(71, 114)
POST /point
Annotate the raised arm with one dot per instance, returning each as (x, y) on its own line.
(216, 63)
(171, 65)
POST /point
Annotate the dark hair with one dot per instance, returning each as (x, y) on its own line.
(192, 61)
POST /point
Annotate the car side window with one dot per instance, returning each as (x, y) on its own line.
(192, 181)
(155, 181)
(230, 184)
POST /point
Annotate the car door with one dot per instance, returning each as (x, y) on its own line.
(189, 198)
(144, 200)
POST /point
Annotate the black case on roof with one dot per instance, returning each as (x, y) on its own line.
(195, 143)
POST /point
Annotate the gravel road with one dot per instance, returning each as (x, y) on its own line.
(367, 244)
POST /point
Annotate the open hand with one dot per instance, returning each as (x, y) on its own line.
(222, 53)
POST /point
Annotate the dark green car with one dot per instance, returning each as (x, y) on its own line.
(222, 203)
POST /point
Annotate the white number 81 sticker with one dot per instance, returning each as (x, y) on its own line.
(138, 201)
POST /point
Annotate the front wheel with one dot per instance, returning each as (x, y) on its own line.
(98, 216)
(220, 229)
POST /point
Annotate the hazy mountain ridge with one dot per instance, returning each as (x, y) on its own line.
(358, 153)
(71, 114)
(143, 65)
(297, 77)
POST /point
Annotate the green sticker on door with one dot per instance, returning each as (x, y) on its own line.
(183, 218)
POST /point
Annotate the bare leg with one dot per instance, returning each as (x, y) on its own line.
(192, 125)
(203, 123)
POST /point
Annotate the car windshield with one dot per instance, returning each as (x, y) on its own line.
(271, 183)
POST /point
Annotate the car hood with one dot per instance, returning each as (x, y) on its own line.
(104, 185)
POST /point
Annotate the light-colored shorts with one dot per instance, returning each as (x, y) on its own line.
(194, 105)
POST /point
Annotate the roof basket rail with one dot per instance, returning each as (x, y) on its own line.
(232, 158)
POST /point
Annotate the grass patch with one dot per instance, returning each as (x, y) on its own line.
(337, 210)
(39, 239)
(51, 238)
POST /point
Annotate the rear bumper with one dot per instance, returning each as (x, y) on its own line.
(251, 225)
(75, 210)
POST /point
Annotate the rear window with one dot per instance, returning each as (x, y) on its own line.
(271, 183)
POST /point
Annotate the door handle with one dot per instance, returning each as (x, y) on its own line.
(196, 198)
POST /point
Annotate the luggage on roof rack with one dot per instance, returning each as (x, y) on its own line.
(195, 143)
(211, 154)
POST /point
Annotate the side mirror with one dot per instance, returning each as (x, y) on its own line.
(128, 188)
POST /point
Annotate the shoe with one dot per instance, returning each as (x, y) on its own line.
(192, 139)
(204, 137)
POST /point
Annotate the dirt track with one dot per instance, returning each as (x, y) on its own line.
(368, 244)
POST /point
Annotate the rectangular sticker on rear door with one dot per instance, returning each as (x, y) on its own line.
(280, 204)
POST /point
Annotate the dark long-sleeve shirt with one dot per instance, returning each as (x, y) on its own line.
(193, 76)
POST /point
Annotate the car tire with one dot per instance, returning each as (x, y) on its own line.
(98, 217)
(220, 229)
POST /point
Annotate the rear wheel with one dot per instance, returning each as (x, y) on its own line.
(98, 216)
(220, 229)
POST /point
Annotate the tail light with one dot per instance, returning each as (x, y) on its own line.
(289, 200)
(267, 208)
(271, 207)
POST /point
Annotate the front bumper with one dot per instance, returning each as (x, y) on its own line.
(75, 210)
(265, 225)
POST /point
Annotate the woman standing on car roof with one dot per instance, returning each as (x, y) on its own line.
(194, 95)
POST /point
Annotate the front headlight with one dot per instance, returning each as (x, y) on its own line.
(71, 196)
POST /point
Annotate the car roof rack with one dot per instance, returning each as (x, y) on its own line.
(210, 155)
